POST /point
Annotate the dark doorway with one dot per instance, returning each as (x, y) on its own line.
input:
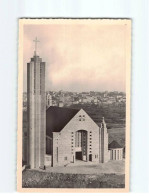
(79, 155)
(90, 157)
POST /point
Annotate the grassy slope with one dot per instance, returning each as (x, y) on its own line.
(38, 179)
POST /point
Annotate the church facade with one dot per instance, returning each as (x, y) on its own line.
(72, 135)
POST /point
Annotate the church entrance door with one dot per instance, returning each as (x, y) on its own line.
(90, 157)
(79, 155)
(81, 145)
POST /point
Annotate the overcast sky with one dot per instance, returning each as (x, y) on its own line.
(79, 57)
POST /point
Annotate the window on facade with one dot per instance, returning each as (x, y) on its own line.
(65, 158)
(95, 156)
(90, 151)
(78, 139)
(71, 132)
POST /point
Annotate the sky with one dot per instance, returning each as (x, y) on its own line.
(79, 57)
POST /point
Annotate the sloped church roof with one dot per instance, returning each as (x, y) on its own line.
(57, 118)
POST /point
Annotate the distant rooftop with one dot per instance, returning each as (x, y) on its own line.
(114, 144)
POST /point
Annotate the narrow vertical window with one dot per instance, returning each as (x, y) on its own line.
(57, 153)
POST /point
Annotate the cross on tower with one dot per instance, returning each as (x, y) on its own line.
(36, 41)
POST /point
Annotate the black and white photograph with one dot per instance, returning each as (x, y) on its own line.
(74, 105)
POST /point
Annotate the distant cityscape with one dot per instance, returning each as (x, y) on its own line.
(66, 98)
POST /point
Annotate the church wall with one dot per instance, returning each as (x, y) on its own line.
(48, 160)
(93, 144)
(65, 148)
(61, 149)
(64, 141)
(104, 156)
(55, 153)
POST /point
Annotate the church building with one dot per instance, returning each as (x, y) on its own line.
(72, 135)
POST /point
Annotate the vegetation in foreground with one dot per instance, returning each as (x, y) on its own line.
(39, 179)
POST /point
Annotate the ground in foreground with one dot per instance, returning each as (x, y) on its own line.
(92, 176)
(81, 167)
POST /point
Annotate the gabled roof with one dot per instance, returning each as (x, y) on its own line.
(57, 118)
(114, 144)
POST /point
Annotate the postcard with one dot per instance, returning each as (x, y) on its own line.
(74, 105)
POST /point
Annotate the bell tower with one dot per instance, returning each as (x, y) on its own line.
(36, 111)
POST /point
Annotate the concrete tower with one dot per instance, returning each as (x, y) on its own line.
(104, 155)
(36, 111)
